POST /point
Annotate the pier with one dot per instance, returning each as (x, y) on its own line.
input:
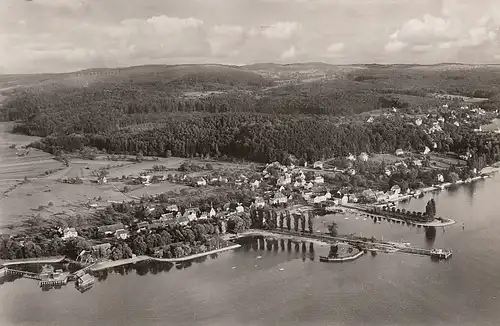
(22, 273)
(373, 244)
(365, 211)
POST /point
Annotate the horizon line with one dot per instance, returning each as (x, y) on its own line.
(255, 63)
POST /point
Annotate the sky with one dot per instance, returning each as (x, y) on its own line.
(67, 35)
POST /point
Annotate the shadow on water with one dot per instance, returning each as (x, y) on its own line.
(263, 244)
(471, 190)
(430, 235)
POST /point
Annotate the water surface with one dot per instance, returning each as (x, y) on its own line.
(389, 289)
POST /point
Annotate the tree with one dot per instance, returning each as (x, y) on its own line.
(139, 157)
(452, 177)
(333, 251)
(310, 220)
(332, 229)
(430, 208)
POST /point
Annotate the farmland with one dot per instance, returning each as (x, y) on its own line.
(30, 192)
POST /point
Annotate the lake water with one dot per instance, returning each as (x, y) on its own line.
(389, 289)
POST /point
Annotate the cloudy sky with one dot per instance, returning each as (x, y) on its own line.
(65, 35)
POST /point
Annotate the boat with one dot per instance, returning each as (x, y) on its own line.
(326, 259)
(85, 280)
(440, 253)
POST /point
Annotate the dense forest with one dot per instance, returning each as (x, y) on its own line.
(224, 111)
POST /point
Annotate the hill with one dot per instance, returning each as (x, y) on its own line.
(139, 102)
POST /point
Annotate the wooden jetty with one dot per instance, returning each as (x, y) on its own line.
(22, 273)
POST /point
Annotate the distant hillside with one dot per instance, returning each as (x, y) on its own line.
(97, 100)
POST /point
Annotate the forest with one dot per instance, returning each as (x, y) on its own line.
(236, 112)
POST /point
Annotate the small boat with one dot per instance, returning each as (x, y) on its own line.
(258, 257)
(234, 267)
(281, 269)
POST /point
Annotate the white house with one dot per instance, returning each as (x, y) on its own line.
(388, 172)
(308, 185)
(370, 120)
(401, 163)
(279, 198)
(418, 122)
(434, 145)
(351, 157)
(299, 184)
(212, 212)
(417, 162)
(396, 189)
(102, 180)
(121, 234)
(318, 165)
(440, 178)
(307, 195)
(201, 182)
(456, 123)
(300, 176)
(352, 172)
(363, 157)
(319, 199)
(284, 180)
(441, 119)
(69, 233)
(328, 195)
(145, 179)
(172, 208)
(352, 198)
(255, 184)
(239, 208)
(391, 195)
(319, 179)
(259, 202)
(399, 152)
(344, 199)
(190, 214)
(426, 150)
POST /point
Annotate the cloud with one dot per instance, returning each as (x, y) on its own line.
(281, 30)
(226, 39)
(72, 5)
(395, 46)
(460, 25)
(422, 48)
(289, 53)
(335, 48)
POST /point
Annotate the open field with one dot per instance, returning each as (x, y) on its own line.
(33, 198)
(136, 168)
(14, 168)
(442, 161)
(84, 168)
(157, 188)
(388, 158)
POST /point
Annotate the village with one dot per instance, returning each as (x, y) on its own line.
(226, 199)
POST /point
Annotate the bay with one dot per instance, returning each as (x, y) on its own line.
(388, 289)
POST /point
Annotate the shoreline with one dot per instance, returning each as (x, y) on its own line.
(116, 263)
(265, 233)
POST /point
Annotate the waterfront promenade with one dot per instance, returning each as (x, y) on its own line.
(41, 260)
(362, 210)
(115, 263)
